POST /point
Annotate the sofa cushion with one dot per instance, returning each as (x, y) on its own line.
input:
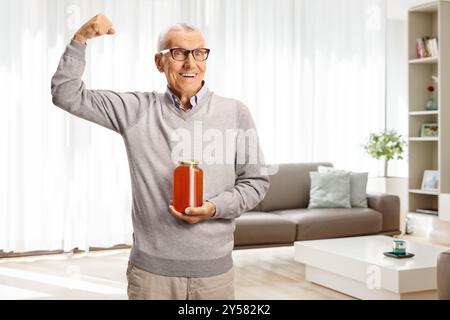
(289, 187)
(329, 190)
(358, 186)
(256, 228)
(333, 222)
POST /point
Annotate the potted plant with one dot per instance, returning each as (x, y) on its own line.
(387, 145)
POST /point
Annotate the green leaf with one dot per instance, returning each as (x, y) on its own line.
(388, 145)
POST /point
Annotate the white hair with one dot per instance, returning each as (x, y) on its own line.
(180, 26)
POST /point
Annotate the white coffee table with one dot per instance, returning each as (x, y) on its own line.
(356, 266)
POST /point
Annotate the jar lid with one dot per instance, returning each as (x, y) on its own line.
(189, 162)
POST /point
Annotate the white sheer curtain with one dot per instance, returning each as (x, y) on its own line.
(311, 71)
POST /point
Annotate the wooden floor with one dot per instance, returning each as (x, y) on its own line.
(272, 273)
(269, 273)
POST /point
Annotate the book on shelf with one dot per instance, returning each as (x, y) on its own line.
(427, 47)
(420, 48)
(427, 211)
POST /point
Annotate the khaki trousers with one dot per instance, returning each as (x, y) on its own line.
(143, 285)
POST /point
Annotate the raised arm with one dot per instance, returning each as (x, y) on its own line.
(115, 111)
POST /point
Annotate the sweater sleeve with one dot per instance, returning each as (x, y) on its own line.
(115, 111)
(251, 184)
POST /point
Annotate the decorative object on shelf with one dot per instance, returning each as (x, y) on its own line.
(431, 103)
(429, 130)
(387, 145)
(435, 79)
(430, 180)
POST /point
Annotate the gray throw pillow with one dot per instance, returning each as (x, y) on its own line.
(358, 185)
(329, 190)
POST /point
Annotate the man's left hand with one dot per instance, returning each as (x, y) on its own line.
(195, 214)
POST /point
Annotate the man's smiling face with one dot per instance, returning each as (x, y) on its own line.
(184, 78)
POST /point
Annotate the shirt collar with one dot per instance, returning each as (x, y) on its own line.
(195, 100)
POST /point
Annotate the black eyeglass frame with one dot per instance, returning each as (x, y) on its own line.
(187, 52)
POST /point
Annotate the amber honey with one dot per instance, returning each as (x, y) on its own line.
(187, 185)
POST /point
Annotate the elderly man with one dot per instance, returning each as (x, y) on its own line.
(175, 255)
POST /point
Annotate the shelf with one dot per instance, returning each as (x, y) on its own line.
(423, 113)
(424, 139)
(420, 191)
(432, 212)
(427, 214)
(427, 7)
(425, 60)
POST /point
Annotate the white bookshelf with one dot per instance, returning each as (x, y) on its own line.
(429, 153)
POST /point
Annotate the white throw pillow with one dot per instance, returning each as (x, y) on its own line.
(358, 185)
(329, 190)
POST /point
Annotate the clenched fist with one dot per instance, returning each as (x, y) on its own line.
(96, 26)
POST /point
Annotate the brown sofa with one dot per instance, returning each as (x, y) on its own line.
(283, 217)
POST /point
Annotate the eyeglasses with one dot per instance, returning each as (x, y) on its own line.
(180, 54)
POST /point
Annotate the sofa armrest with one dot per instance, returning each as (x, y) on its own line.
(389, 206)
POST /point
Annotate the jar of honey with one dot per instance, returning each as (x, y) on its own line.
(187, 185)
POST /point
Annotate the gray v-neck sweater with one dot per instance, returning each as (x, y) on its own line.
(153, 129)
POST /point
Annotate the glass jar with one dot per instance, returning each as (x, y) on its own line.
(399, 247)
(187, 186)
(431, 104)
